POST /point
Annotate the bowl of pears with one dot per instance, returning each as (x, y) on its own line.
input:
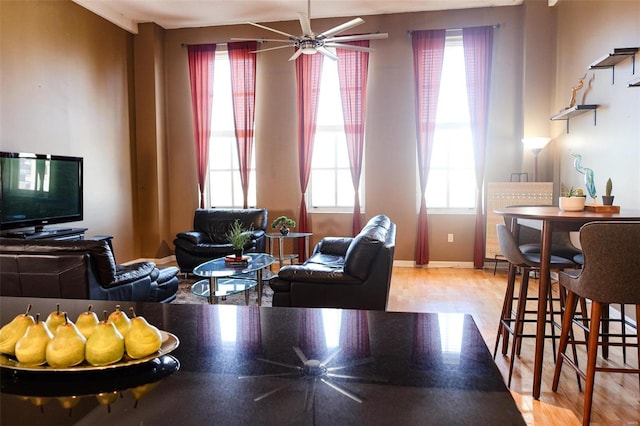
(89, 343)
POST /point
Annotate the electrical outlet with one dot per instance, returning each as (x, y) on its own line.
(450, 238)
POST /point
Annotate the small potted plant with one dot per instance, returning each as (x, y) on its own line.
(284, 223)
(573, 200)
(238, 237)
(607, 199)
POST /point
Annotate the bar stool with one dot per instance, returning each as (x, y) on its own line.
(607, 320)
(611, 274)
(527, 262)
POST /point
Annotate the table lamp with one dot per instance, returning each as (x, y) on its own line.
(535, 144)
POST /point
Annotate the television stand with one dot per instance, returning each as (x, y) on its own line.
(48, 234)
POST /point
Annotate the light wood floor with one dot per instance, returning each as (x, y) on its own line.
(480, 293)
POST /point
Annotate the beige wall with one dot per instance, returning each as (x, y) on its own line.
(68, 87)
(612, 147)
(65, 90)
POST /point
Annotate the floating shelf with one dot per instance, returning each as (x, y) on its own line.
(569, 113)
(617, 55)
(634, 83)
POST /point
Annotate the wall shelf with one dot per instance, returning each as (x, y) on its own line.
(568, 113)
(634, 83)
(612, 58)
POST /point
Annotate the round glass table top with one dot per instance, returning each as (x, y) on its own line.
(220, 268)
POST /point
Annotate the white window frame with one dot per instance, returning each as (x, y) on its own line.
(334, 130)
(454, 39)
(222, 81)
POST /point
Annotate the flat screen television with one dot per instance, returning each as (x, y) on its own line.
(38, 190)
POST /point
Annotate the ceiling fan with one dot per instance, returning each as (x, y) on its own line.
(310, 43)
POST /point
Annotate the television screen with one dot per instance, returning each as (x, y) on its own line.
(38, 190)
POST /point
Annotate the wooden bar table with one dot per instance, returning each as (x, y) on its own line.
(553, 219)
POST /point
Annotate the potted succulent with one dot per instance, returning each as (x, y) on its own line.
(607, 199)
(284, 223)
(238, 237)
(573, 200)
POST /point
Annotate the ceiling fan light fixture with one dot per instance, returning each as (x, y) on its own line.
(310, 43)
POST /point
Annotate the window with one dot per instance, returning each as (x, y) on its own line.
(451, 182)
(330, 185)
(224, 187)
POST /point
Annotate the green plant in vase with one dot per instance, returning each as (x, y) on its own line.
(572, 199)
(607, 199)
(238, 237)
(284, 223)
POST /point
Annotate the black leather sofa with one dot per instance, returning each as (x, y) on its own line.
(348, 273)
(82, 269)
(208, 238)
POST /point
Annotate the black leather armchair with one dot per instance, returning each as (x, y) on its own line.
(82, 269)
(208, 238)
(350, 273)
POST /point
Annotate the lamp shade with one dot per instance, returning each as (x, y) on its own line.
(535, 143)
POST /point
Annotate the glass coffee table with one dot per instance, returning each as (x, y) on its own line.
(227, 279)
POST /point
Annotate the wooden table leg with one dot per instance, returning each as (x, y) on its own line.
(543, 290)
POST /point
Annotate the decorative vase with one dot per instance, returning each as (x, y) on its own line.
(607, 200)
(284, 230)
(572, 204)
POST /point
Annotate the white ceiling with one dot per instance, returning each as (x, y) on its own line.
(171, 14)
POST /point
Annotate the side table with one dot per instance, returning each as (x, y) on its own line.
(280, 237)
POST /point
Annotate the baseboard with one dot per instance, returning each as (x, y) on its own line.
(433, 264)
(161, 261)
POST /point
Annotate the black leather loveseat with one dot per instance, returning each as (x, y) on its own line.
(208, 238)
(350, 273)
(82, 269)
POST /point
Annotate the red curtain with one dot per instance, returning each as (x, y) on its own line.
(478, 51)
(353, 69)
(249, 331)
(201, 60)
(354, 334)
(243, 89)
(428, 55)
(308, 70)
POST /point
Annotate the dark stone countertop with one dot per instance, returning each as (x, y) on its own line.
(252, 365)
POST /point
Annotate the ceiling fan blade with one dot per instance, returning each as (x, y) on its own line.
(305, 24)
(295, 55)
(372, 36)
(292, 37)
(326, 52)
(271, 48)
(349, 47)
(276, 40)
(340, 28)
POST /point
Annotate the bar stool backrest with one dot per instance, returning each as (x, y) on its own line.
(611, 272)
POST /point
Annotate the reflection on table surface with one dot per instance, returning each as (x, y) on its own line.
(252, 365)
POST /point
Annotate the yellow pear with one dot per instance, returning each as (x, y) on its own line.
(106, 344)
(139, 391)
(143, 338)
(54, 319)
(86, 322)
(39, 401)
(31, 348)
(66, 349)
(121, 321)
(107, 398)
(11, 332)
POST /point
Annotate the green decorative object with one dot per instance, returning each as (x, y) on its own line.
(607, 199)
(238, 236)
(284, 223)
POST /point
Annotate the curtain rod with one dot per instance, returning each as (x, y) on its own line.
(222, 43)
(496, 26)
